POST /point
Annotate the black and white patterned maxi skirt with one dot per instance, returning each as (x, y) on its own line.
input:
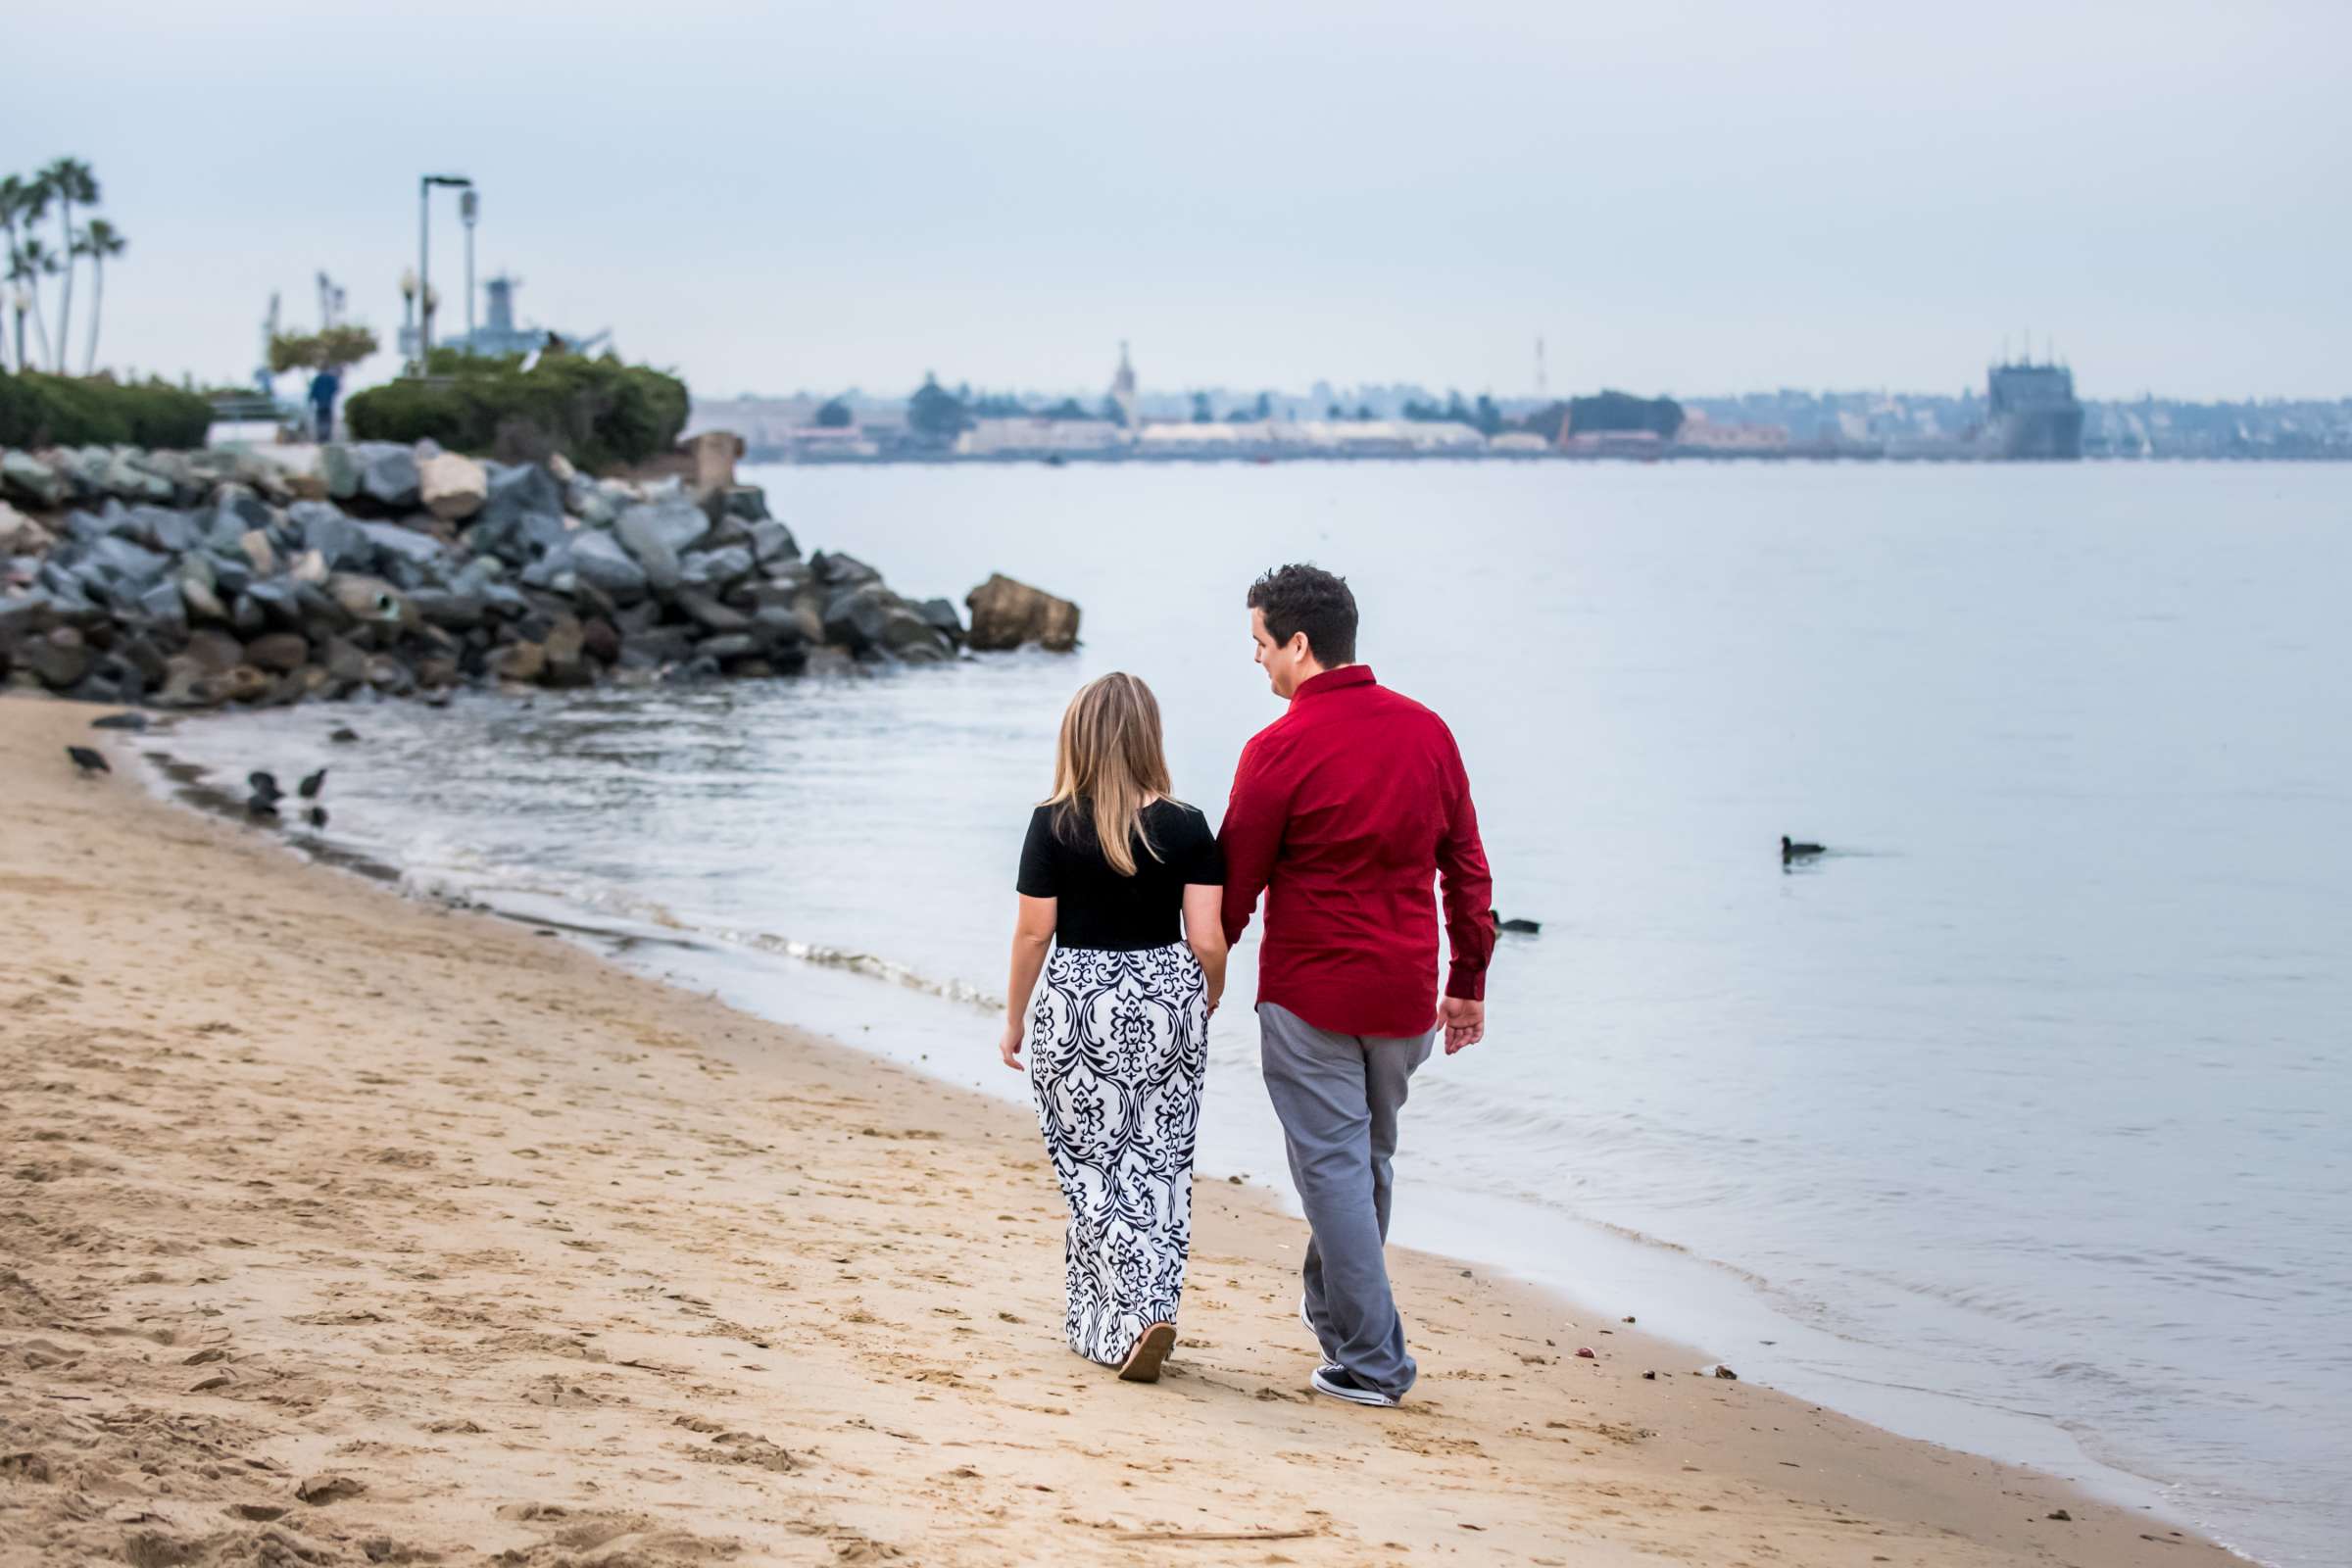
(1118, 1045)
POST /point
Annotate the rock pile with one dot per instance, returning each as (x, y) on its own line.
(193, 579)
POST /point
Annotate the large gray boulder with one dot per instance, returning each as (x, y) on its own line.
(338, 539)
(60, 659)
(162, 607)
(388, 473)
(129, 477)
(598, 559)
(940, 615)
(171, 531)
(339, 469)
(415, 555)
(715, 570)
(837, 571)
(122, 568)
(551, 573)
(855, 616)
(516, 488)
(518, 538)
(26, 479)
(773, 543)
(710, 615)
(657, 533)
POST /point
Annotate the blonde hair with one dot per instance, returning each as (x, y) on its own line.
(1109, 764)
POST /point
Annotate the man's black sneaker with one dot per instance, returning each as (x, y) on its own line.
(1339, 1384)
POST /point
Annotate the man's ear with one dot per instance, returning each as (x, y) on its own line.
(1300, 647)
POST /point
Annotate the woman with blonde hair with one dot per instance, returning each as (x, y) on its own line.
(1125, 883)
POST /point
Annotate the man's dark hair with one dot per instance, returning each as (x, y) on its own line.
(1307, 598)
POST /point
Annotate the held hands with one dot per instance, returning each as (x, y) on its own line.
(1009, 1046)
(1464, 1021)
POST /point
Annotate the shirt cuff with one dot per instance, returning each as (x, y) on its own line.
(1466, 985)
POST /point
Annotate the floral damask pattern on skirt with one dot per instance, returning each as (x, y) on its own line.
(1119, 1044)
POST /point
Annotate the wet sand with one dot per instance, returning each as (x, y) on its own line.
(340, 1228)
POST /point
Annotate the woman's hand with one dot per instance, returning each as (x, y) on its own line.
(1010, 1047)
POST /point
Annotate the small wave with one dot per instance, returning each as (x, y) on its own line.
(868, 964)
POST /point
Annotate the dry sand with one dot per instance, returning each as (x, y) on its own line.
(339, 1228)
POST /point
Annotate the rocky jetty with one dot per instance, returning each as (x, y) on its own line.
(193, 579)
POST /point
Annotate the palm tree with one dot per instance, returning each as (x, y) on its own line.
(70, 179)
(99, 240)
(16, 202)
(32, 262)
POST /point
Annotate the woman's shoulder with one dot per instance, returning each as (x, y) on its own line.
(1177, 816)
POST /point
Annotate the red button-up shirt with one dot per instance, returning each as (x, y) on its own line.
(1344, 811)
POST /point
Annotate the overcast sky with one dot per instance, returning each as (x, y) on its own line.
(1681, 198)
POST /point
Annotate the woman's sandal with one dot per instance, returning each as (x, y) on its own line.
(1150, 1350)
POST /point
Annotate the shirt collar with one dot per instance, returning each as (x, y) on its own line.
(1332, 680)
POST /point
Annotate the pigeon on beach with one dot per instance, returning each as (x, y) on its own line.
(89, 762)
(310, 787)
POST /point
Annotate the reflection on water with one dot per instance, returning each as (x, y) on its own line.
(2030, 1092)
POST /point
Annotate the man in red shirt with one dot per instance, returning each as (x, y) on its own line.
(1345, 812)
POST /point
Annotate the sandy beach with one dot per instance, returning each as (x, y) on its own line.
(342, 1228)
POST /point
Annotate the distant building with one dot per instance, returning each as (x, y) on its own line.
(1040, 438)
(1612, 443)
(500, 334)
(1706, 435)
(1305, 438)
(1122, 389)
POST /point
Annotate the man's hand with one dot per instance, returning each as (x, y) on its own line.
(1464, 1021)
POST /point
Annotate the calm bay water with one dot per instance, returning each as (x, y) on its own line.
(2018, 1121)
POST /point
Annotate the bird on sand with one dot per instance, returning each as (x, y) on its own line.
(1791, 849)
(310, 787)
(90, 763)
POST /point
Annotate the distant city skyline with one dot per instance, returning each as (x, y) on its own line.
(1696, 199)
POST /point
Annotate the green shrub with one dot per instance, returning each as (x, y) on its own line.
(599, 412)
(69, 411)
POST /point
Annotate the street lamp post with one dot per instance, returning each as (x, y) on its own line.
(425, 260)
(469, 208)
(407, 305)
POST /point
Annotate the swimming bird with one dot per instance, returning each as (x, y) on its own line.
(87, 762)
(344, 735)
(310, 787)
(1792, 851)
(1525, 928)
(315, 817)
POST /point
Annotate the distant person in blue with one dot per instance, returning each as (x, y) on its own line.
(323, 387)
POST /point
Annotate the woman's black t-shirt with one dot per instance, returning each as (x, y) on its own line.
(1100, 908)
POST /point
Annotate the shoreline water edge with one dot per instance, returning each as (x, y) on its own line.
(1523, 1451)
